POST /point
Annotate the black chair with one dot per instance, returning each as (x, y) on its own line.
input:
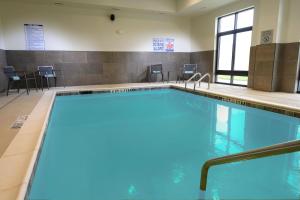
(14, 76)
(155, 70)
(187, 72)
(47, 72)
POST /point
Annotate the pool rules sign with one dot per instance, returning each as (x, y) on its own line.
(34, 35)
(163, 44)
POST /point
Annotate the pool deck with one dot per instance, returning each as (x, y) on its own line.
(20, 147)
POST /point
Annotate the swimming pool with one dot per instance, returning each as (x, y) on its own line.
(151, 145)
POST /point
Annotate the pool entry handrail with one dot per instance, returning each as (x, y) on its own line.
(201, 79)
(194, 76)
(278, 149)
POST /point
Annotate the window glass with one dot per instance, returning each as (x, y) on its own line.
(226, 23)
(225, 52)
(240, 80)
(223, 79)
(242, 51)
(245, 18)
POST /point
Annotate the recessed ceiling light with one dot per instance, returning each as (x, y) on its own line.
(58, 4)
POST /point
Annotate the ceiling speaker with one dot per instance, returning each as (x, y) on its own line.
(112, 17)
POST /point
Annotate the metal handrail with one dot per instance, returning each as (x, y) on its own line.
(201, 79)
(283, 148)
(189, 80)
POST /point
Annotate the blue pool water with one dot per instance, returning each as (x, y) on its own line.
(150, 145)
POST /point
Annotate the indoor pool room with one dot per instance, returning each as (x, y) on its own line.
(149, 100)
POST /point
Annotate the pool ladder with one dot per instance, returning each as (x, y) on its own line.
(278, 149)
(201, 78)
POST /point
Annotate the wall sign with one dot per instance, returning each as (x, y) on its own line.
(163, 44)
(34, 35)
(266, 37)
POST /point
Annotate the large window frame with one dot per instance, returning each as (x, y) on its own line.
(233, 32)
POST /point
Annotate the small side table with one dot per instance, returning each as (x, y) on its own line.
(176, 74)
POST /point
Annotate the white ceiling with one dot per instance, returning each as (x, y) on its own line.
(199, 7)
(174, 7)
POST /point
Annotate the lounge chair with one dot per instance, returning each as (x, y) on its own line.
(47, 72)
(14, 76)
(155, 70)
(187, 71)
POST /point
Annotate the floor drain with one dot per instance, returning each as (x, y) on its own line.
(19, 122)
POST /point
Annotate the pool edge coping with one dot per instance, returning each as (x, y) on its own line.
(245, 101)
(24, 185)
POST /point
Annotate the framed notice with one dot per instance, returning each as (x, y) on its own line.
(163, 44)
(34, 36)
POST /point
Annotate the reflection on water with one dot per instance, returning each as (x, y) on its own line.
(237, 130)
(177, 174)
(131, 190)
(230, 130)
(215, 194)
(294, 172)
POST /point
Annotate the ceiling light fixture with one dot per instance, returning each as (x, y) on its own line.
(58, 4)
(116, 9)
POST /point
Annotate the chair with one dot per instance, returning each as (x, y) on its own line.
(46, 72)
(18, 76)
(187, 71)
(155, 70)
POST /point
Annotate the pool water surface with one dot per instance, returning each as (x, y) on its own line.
(151, 145)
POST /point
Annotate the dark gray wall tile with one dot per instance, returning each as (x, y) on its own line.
(205, 61)
(52, 57)
(251, 67)
(287, 83)
(275, 67)
(268, 64)
(96, 67)
(264, 67)
(265, 52)
(75, 57)
(3, 80)
(263, 83)
(287, 67)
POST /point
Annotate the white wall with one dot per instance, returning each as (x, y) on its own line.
(280, 15)
(267, 18)
(90, 29)
(203, 27)
(293, 24)
(2, 45)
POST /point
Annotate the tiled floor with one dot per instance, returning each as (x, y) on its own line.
(278, 98)
(11, 107)
(4, 99)
(18, 149)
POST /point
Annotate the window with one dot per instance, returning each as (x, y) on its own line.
(233, 47)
